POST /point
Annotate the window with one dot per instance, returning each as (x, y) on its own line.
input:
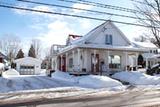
(70, 62)
(115, 61)
(26, 67)
(156, 51)
(108, 39)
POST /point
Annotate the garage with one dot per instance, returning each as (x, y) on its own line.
(28, 66)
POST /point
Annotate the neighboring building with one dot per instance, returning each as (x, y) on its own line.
(152, 57)
(28, 66)
(105, 44)
(55, 49)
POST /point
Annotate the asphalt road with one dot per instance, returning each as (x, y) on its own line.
(130, 98)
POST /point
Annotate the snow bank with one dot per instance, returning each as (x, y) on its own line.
(43, 72)
(23, 82)
(89, 81)
(63, 76)
(10, 73)
(137, 78)
(98, 81)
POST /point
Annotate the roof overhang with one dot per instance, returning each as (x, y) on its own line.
(104, 47)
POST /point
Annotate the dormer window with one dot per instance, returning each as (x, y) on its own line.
(108, 39)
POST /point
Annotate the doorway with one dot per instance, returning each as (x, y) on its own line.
(95, 61)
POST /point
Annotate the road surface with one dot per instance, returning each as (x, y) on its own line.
(129, 98)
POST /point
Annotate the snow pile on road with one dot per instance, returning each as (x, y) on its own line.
(10, 73)
(89, 81)
(137, 78)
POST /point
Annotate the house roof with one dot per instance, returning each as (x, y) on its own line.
(86, 37)
(147, 45)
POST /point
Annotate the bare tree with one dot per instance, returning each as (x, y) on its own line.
(10, 45)
(149, 15)
(36, 43)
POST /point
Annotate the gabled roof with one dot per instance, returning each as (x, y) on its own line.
(97, 30)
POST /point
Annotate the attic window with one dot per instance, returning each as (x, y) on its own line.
(108, 39)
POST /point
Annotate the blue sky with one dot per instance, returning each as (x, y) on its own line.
(54, 29)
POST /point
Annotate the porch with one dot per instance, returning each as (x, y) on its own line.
(93, 60)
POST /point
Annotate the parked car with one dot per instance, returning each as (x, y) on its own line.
(155, 69)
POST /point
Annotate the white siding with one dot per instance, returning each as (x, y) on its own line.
(117, 38)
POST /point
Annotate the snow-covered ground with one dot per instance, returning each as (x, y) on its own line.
(137, 78)
(12, 82)
(19, 83)
(15, 82)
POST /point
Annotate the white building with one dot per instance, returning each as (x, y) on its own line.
(152, 57)
(105, 43)
(28, 66)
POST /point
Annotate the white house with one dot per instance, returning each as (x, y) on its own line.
(28, 66)
(105, 43)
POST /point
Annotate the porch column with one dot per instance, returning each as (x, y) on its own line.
(94, 60)
(56, 63)
(126, 60)
(61, 62)
(73, 60)
(78, 59)
(108, 53)
(136, 60)
(66, 61)
(146, 63)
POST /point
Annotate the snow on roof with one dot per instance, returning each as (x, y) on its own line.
(72, 38)
(155, 56)
(28, 60)
(107, 47)
(145, 45)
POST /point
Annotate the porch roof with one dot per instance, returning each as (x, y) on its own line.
(129, 48)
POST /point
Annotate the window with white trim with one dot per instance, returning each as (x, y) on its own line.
(70, 62)
(108, 39)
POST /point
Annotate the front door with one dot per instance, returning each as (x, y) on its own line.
(60, 63)
(95, 63)
(64, 64)
(1, 60)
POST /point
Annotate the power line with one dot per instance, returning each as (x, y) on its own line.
(137, 1)
(87, 10)
(78, 16)
(102, 5)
